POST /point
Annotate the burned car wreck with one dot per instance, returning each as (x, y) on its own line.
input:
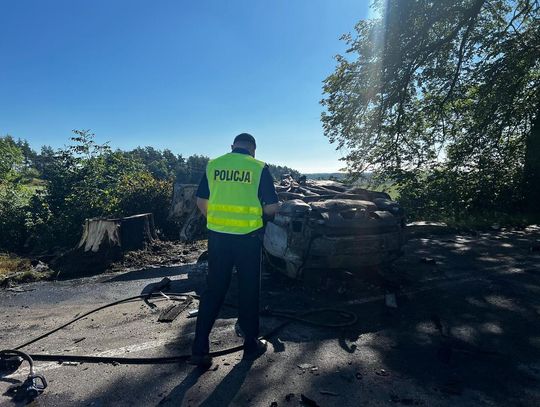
(320, 226)
(327, 225)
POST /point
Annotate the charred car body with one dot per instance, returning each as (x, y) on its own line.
(326, 225)
(321, 225)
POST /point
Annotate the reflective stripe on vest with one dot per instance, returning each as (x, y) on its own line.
(255, 210)
(234, 206)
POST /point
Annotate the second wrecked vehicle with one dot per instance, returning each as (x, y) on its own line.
(326, 225)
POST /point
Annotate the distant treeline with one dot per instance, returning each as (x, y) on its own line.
(162, 164)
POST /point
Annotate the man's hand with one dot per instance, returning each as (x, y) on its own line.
(202, 204)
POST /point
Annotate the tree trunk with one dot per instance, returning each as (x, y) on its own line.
(532, 167)
(131, 233)
(103, 242)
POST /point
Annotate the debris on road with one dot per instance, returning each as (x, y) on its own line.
(328, 393)
(193, 313)
(172, 311)
(19, 289)
(428, 260)
(69, 363)
(305, 366)
(382, 372)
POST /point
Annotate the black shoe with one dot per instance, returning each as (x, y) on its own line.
(203, 361)
(253, 351)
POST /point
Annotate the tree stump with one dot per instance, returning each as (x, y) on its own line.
(131, 233)
(104, 241)
(185, 214)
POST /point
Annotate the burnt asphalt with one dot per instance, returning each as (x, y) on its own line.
(466, 332)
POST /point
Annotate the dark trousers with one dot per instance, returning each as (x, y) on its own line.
(224, 252)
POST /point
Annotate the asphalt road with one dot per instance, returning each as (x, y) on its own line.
(466, 332)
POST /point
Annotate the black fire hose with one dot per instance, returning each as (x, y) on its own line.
(35, 384)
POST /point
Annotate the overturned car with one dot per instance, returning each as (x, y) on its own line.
(320, 226)
(325, 225)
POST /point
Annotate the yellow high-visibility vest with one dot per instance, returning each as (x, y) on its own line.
(234, 206)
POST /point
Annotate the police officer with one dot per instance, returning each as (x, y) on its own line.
(235, 194)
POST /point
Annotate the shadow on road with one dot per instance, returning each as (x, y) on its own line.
(467, 343)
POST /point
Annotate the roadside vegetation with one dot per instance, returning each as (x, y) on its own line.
(45, 197)
(440, 101)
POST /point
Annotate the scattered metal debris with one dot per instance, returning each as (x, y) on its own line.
(305, 366)
(193, 313)
(382, 372)
(171, 312)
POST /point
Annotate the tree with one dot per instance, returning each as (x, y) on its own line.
(278, 171)
(446, 87)
(11, 157)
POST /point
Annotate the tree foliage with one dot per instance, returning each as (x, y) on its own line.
(45, 197)
(444, 98)
(11, 157)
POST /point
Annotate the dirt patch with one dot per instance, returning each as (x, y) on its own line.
(162, 253)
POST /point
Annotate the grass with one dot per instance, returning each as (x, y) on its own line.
(15, 269)
(10, 264)
(390, 188)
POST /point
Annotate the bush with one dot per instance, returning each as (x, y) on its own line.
(141, 192)
(14, 201)
(450, 194)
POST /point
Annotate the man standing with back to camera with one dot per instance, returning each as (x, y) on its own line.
(234, 194)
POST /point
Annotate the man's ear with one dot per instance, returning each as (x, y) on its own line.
(232, 147)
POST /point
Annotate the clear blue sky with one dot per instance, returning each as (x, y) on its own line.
(184, 75)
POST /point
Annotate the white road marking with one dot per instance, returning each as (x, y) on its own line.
(107, 353)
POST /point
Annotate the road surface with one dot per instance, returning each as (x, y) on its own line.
(465, 332)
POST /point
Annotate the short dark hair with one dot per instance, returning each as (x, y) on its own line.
(245, 138)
